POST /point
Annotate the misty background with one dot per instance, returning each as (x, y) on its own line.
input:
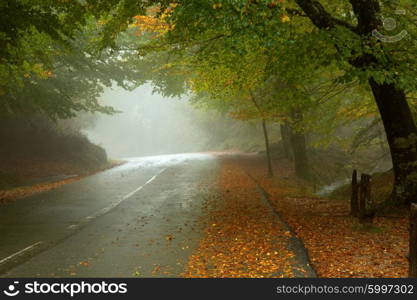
(149, 124)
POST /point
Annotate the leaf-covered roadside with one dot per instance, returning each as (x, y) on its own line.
(338, 245)
(243, 237)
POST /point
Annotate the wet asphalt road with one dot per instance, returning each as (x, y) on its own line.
(135, 220)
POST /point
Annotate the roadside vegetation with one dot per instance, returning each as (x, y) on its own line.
(38, 154)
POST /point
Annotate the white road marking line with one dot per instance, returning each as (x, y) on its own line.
(141, 187)
(19, 252)
(115, 204)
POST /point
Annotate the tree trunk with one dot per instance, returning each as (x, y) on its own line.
(299, 147)
(402, 139)
(392, 103)
(286, 141)
(268, 151)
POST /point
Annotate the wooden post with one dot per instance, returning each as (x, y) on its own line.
(413, 242)
(355, 195)
(365, 198)
(268, 151)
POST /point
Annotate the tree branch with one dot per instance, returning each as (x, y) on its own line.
(320, 17)
(367, 14)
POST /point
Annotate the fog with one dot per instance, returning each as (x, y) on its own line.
(149, 124)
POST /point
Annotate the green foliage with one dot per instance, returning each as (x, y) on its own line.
(47, 61)
(70, 82)
(226, 53)
(229, 46)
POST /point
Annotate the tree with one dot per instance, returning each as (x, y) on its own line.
(345, 37)
(229, 88)
(207, 53)
(369, 59)
(48, 63)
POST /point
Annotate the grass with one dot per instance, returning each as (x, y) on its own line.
(367, 228)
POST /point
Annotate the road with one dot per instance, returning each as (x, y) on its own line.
(136, 220)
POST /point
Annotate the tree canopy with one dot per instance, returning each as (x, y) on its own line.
(308, 64)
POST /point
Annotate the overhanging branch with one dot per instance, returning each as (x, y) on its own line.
(320, 17)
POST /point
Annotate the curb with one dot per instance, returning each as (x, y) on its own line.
(295, 243)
